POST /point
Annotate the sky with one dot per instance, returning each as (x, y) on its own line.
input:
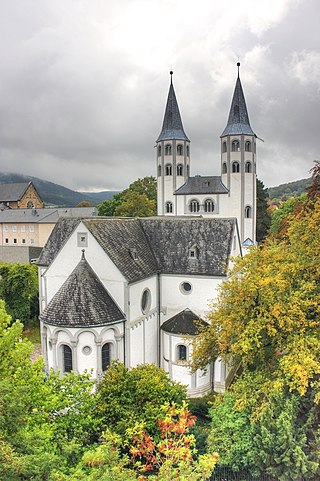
(84, 84)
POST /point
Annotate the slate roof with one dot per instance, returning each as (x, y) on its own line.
(34, 216)
(202, 185)
(82, 301)
(13, 191)
(184, 323)
(238, 121)
(172, 127)
(142, 247)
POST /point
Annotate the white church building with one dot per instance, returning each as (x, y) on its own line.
(138, 289)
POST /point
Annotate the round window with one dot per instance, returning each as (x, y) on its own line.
(86, 350)
(185, 287)
(145, 301)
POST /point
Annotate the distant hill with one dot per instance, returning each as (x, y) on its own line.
(55, 194)
(291, 189)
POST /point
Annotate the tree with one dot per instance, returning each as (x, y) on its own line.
(84, 203)
(263, 215)
(126, 396)
(135, 205)
(19, 289)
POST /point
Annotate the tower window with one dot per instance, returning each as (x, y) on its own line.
(159, 170)
(248, 212)
(66, 358)
(181, 352)
(194, 205)
(159, 150)
(235, 167)
(188, 151)
(169, 207)
(235, 146)
(208, 205)
(168, 169)
(106, 355)
(224, 147)
(179, 169)
(247, 146)
(179, 149)
(248, 167)
(224, 168)
(168, 149)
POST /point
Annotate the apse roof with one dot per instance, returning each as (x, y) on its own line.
(184, 323)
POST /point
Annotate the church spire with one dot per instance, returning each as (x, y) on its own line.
(238, 121)
(172, 127)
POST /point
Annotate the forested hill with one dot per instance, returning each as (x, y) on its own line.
(291, 189)
(55, 194)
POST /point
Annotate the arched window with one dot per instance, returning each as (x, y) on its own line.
(224, 168)
(235, 146)
(159, 150)
(179, 169)
(179, 149)
(66, 358)
(194, 205)
(169, 207)
(247, 146)
(168, 169)
(181, 352)
(248, 212)
(208, 205)
(224, 147)
(159, 170)
(168, 149)
(235, 167)
(248, 167)
(188, 151)
(106, 355)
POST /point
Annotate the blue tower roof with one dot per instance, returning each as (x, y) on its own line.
(238, 121)
(172, 127)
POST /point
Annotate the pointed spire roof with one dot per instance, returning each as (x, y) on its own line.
(82, 301)
(172, 127)
(238, 121)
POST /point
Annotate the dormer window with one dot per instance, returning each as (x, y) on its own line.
(194, 252)
(168, 149)
(134, 254)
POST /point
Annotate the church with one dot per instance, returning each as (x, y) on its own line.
(137, 290)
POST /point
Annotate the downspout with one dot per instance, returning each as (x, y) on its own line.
(159, 313)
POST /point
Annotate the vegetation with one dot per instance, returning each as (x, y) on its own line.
(286, 191)
(138, 200)
(263, 214)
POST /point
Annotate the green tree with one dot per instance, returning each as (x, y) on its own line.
(263, 215)
(19, 289)
(134, 204)
(126, 396)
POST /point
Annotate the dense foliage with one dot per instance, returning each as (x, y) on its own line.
(263, 214)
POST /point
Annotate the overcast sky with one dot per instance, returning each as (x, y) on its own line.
(84, 83)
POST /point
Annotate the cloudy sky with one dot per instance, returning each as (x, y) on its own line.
(83, 85)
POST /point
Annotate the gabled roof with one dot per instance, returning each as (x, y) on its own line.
(142, 247)
(82, 301)
(172, 127)
(202, 185)
(238, 121)
(13, 191)
(184, 323)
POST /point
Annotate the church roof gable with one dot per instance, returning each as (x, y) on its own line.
(202, 185)
(82, 301)
(13, 191)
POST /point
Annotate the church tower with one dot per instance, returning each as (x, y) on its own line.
(238, 166)
(173, 156)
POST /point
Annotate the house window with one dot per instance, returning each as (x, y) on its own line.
(181, 352)
(179, 169)
(169, 207)
(5, 228)
(31, 228)
(145, 301)
(23, 228)
(15, 241)
(235, 146)
(224, 147)
(235, 167)
(208, 205)
(247, 146)
(106, 355)
(168, 149)
(159, 150)
(66, 358)
(185, 287)
(248, 167)
(194, 206)
(14, 228)
(23, 241)
(224, 168)
(168, 169)
(31, 241)
(82, 239)
(6, 241)
(179, 149)
(248, 212)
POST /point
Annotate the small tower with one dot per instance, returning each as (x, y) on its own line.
(238, 166)
(173, 156)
